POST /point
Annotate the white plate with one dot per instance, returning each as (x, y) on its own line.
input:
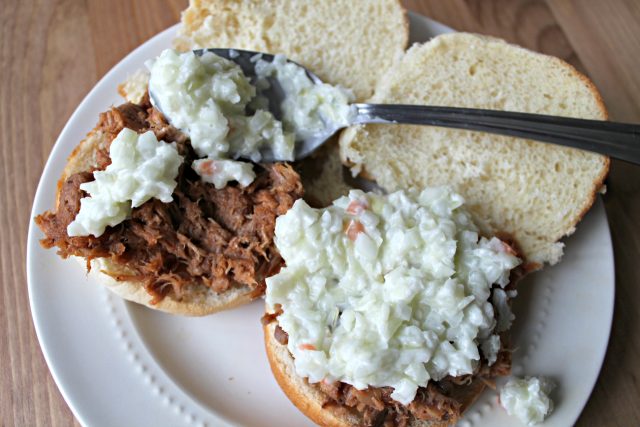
(117, 363)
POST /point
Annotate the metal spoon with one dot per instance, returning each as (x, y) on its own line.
(618, 140)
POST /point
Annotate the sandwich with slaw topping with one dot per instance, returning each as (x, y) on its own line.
(391, 310)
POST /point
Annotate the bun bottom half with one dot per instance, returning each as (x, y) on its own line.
(311, 401)
(197, 300)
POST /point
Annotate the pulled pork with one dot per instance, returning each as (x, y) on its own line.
(440, 401)
(437, 402)
(216, 238)
(377, 408)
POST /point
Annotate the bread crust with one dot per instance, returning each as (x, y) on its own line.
(310, 401)
(599, 181)
(405, 23)
(299, 392)
(200, 301)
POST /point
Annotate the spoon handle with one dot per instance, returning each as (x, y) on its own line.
(618, 140)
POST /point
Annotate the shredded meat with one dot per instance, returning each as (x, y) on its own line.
(377, 408)
(68, 206)
(281, 336)
(436, 402)
(216, 238)
(271, 317)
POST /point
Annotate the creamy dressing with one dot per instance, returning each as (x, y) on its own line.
(527, 399)
(220, 172)
(387, 290)
(206, 97)
(308, 108)
(141, 168)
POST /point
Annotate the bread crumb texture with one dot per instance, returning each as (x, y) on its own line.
(329, 38)
(135, 86)
(534, 191)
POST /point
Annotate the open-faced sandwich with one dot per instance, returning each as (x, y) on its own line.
(161, 235)
(391, 309)
(154, 204)
(334, 316)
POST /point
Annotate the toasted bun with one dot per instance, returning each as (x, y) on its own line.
(328, 37)
(534, 191)
(198, 301)
(310, 400)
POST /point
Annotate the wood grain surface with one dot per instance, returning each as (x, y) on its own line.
(53, 52)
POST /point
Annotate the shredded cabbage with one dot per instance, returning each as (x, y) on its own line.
(308, 107)
(206, 97)
(387, 290)
(141, 168)
(527, 399)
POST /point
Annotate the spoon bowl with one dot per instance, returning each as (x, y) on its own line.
(275, 95)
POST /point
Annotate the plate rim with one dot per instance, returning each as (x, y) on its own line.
(57, 152)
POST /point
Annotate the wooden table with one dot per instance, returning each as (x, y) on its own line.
(53, 52)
